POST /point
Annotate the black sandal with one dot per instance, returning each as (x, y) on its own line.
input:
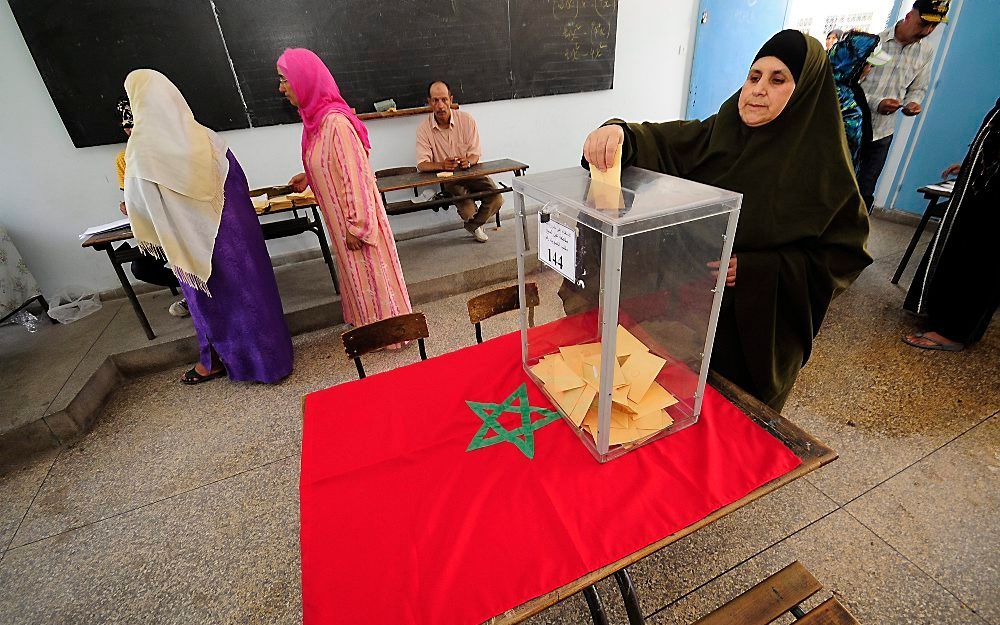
(192, 377)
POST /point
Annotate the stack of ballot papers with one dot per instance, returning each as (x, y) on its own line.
(262, 204)
(571, 377)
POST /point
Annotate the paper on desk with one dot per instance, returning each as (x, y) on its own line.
(259, 202)
(118, 224)
(944, 187)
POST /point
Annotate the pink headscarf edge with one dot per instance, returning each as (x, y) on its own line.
(307, 74)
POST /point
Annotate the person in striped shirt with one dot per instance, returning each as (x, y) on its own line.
(898, 86)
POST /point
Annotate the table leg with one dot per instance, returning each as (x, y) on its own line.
(629, 597)
(143, 321)
(916, 239)
(325, 248)
(596, 606)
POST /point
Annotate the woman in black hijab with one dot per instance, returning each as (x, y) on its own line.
(956, 285)
(803, 225)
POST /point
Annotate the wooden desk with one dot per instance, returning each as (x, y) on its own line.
(807, 448)
(294, 224)
(382, 451)
(935, 209)
(427, 179)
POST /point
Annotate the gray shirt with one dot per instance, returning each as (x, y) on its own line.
(904, 78)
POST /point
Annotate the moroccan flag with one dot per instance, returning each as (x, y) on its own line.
(448, 491)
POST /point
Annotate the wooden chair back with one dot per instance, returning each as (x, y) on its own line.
(381, 334)
(501, 300)
(776, 595)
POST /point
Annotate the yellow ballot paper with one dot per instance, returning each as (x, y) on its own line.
(583, 406)
(606, 186)
(564, 378)
(640, 370)
(574, 355)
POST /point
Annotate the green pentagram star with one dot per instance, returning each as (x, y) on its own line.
(522, 437)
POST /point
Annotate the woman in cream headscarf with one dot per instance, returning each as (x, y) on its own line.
(189, 203)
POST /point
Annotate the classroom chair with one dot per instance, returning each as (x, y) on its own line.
(498, 301)
(381, 334)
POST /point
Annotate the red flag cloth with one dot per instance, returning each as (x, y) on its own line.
(401, 525)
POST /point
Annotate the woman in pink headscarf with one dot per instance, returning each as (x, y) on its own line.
(335, 156)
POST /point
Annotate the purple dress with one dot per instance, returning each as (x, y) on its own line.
(242, 320)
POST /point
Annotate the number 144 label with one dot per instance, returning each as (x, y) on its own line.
(557, 247)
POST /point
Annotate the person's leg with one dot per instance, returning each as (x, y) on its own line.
(153, 271)
(466, 208)
(873, 157)
(488, 206)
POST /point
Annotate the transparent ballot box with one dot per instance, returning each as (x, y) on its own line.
(620, 335)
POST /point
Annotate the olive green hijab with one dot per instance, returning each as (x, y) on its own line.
(803, 226)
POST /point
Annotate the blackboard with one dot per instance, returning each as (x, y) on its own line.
(222, 53)
(562, 46)
(376, 49)
(84, 49)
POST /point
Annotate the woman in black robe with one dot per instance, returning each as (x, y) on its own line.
(956, 286)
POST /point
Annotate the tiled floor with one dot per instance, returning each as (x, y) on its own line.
(181, 505)
(41, 373)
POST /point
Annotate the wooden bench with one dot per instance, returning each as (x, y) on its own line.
(776, 595)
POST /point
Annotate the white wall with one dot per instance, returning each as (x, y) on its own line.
(51, 191)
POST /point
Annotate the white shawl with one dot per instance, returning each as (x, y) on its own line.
(187, 164)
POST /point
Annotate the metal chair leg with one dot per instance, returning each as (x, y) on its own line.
(629, 597)
(914, 240)
(596, 605)
(479, 332)
(361, 369)
(423, 350)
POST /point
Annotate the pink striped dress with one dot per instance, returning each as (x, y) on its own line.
(371, 280)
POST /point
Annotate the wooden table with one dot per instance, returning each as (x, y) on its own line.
(808, 449)
(426, 179)
(811, 453)
(294, 224)
(935, 210)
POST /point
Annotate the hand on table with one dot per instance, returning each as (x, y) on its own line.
(730, 275)
(353, 242)
(451, 164)
(299, 182)
(889, 106)
(911, 109)
(601, 146)
(951, 171)
(121, 207)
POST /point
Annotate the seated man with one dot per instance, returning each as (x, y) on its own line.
(447, 141)
(145, 268)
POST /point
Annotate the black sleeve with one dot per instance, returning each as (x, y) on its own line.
(628, 147)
